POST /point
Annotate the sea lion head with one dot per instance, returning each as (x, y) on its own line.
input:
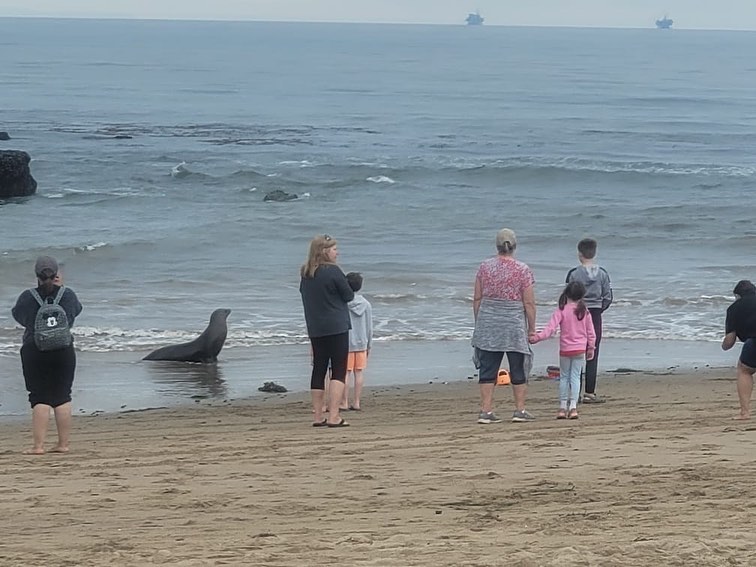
(220, 315)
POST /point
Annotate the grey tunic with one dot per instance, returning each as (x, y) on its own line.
(501, 326)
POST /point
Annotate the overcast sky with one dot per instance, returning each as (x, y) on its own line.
(711, 14)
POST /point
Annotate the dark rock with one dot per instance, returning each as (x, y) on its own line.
(4, 136)
(122, 137)
(272, 387)
(280, 196)
(15, 177)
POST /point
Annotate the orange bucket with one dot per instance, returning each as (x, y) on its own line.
(503, 378)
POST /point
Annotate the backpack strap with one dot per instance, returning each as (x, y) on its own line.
(36, 296)
(58, 297)
(41, 302)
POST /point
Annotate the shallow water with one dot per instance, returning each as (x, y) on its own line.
(410, 144)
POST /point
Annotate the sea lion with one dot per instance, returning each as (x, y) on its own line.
(204, 348)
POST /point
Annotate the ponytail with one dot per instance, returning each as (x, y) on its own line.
(581, 310)
(47, 286)
(574, 291)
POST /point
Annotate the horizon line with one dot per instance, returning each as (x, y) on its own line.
(358, 22)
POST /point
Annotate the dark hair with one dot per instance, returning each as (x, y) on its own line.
(587, 248)
(744, 287)
(47, 286)
(574, 291)
(354, 279)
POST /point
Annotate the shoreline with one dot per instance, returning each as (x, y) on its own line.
(120, 381)
(414, 481)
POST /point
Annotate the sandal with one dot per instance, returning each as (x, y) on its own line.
(341, 423)
(573, 414)
(561, 414)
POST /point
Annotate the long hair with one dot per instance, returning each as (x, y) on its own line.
(574, 291)
(317, 255)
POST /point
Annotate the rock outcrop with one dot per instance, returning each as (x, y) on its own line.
(279, 195)
(15, 178)
(4, 136)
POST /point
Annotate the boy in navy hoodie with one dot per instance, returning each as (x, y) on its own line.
(360, 340)
(598, 298)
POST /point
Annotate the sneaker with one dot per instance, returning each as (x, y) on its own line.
(485, 418)
(523, 415)
(592, 399)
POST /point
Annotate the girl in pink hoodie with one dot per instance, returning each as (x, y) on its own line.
(577, 341)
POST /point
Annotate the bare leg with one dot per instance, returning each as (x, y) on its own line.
(318, 399)
(745, 389)
(334, 401)
(519, 391)
(345, 397)
(359, 380)
(486, 397)
(327, 387)
(40, 419)
(63, 424)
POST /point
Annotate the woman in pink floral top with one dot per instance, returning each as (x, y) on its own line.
(504, 310)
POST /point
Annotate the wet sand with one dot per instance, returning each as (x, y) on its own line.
(658, 475)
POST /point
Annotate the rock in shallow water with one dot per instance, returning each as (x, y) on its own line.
(15, 177)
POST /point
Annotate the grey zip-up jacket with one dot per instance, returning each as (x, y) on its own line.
(361, 316)
(598, 288)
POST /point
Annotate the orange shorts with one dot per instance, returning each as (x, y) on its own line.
(357, 360)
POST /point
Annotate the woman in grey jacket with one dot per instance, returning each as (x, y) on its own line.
(325, 295)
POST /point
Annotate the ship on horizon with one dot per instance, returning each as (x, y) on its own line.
(665, 23)
(474, 19)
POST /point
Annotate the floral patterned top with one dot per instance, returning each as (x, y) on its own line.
(503, 277)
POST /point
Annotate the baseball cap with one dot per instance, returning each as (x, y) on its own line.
(46, 266)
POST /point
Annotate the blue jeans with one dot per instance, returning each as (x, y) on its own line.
(570, 368)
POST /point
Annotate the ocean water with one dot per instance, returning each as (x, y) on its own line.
(412, 145)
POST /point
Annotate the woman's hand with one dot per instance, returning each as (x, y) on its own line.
(729, 341)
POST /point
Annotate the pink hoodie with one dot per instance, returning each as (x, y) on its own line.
(575, 336)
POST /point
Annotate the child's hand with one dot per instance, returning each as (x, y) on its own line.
(589, 353)
(532, 338)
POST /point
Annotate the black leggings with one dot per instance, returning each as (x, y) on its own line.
(333, 349)
(591, 366)
(490, 362)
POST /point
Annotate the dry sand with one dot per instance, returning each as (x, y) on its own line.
(659, 475)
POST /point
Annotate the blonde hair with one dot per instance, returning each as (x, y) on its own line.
(317, 256)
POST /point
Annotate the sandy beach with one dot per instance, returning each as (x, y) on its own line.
(658, 475)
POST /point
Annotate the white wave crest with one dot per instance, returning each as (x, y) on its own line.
(180, 170)
(381, 179)
(95, 246)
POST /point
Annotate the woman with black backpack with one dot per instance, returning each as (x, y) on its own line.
(47, 314)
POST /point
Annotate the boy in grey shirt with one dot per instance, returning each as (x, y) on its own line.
(360, 340)
(598, 298)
